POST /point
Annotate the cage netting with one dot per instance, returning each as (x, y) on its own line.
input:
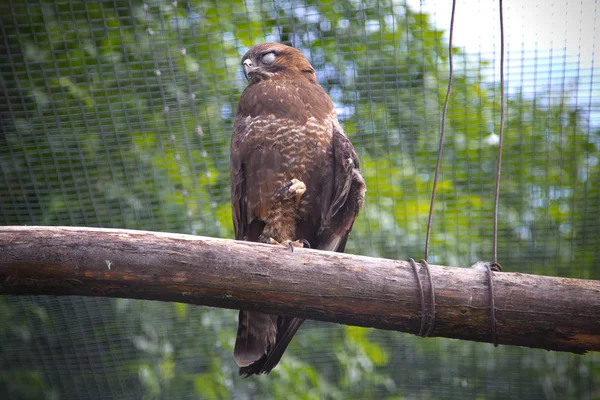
(119, 114)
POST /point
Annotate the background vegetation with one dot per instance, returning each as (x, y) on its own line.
(118, 114)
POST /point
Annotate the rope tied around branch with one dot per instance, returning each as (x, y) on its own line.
(490, 268)
(425, 265)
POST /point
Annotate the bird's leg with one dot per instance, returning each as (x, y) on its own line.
(294, 188)
(281, 222)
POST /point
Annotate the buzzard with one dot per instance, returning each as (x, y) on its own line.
(295, 180)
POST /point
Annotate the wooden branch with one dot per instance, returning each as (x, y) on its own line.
(534, 311)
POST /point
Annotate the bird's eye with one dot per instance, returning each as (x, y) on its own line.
(268, 58)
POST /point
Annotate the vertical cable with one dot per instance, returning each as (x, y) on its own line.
(501, 134)
(442, 133)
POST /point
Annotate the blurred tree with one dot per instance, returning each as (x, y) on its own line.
(118, 113)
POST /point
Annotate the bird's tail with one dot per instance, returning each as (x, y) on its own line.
(288, 327)
(257, 332)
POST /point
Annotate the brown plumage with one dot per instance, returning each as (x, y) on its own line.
(286, 129)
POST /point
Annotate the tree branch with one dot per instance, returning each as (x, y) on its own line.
(534, 311)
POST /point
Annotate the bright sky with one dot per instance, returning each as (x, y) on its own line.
(570, 25)
(563, 33)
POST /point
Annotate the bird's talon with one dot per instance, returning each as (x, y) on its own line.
(302, 243)
(293, 188)
(288, 243)
(271, 241)
(296, 186)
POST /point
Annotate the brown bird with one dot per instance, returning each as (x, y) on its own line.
(295, 180)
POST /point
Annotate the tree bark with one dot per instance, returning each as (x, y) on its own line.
(535, 311)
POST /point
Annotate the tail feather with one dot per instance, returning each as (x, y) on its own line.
(257, 332)
(288, 327)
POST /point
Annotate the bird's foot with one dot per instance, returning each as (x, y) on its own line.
(294, 188)
(302, 243)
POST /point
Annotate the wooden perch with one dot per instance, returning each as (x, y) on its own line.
(534, 311)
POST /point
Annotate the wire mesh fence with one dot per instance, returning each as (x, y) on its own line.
(119, 114)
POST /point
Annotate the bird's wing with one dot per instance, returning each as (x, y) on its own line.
(347, 188)
(238, 193)
(252, 177)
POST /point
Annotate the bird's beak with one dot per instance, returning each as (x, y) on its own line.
(248, 69)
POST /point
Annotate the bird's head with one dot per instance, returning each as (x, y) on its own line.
(268, 60)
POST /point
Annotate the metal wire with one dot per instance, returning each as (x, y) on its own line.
(501, 138)
(442, 134)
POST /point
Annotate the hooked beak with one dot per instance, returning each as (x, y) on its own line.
(248, 69)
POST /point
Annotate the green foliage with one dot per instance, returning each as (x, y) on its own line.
(118, 114)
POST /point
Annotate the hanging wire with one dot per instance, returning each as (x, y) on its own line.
(495, 266)
(501, 134)
(442, 133)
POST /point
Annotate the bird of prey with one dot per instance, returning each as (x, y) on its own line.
(295, 180)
